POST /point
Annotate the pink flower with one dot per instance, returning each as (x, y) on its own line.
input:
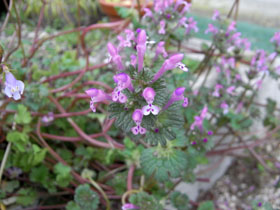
(141, 48)
(160, 50)
(148, 13)
(276, 38)
(211, 29)
(162, 27)
(171, 63)
(199, 119)
(177, 95)
(230, 90)
(133, 60)
(191, 26)
(129, 206)
(225, 107)
(137, 117)
(231, 28)
(216, 92)
(123, 81)
(149, 95)
(216, 15)
(115, 56)
(96, 95)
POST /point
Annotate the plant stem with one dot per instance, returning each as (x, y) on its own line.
(102, 192)
(5, 158)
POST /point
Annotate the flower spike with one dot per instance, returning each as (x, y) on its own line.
(149, 95)
(177, 95)
(137, 117)
(123, 81)
(96, 95)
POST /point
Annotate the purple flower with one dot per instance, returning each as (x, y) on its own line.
(216, 15)
(210, 133)
(231, 28)
(115, 56)
(141, 48)
(133, 60)
(13, 87)
(230, 90)
(198, 120)
(129, 206)
(129, 35)
(137, 117)
(96, 95)
(178, 3)
(148, 13)
(276, 38)
(225, 107)
(216, 92)
(47, 119)
(160, 50)
(191, 25)
(211, 29)
(123, 43)
(171, 63)
(162, 27)
(278, 70)
(259, 84)
(182, 22)
(177, 95)
(186, 8)
(123, 81)
(149, 95)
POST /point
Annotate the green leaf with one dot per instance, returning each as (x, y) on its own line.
(145, 201)
(26, 196)
(19, 140)
(86, 198)
(23, 116)
(179, 200)
(72, 206)
(63, 175)
(206, 205)
(163, 163)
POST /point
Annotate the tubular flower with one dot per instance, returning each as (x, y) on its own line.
(148, 13)
(129, 206)
(216, 92)
(149, 95)
(177, 95)
(162, 27)
(96, 95)
(192, 25)
(225, 107)
(216, 15)
(137, 117)
(171, 63)
(199, 119)
(116, 58)
(123, 81)
(13, 87)
(276, 38)
(211, 29)
(141, 48)
(160, 50)
(230, 90)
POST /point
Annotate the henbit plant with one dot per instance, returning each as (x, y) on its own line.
(166, 121)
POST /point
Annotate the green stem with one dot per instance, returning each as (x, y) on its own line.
(102, 192)
(5, 158)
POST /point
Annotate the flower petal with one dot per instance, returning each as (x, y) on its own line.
(155, 110)
(20, 85)
(135, 130)
(8, 92)
(122, 98)
(146, 110)
(142, 130)
(16, 95)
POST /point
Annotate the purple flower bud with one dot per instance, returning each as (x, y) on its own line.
(123, 81)
(47, 119)
(169, 64)
(115, 56)
(141, 48)
(96, 95)
(137, 117)
(13, 87)
(129, 206)
(168, 16)
(160, 50)
(162, 27)
(210, 133)
(205, 140)
(177, 95)
(149, 95)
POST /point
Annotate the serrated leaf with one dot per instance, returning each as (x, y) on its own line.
(86, 198)
(26, 196)
(206, 205)
(145, 201)
(23, 116)
(179, 201)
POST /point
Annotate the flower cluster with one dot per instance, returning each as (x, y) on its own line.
(170, 17)
(139, 92)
